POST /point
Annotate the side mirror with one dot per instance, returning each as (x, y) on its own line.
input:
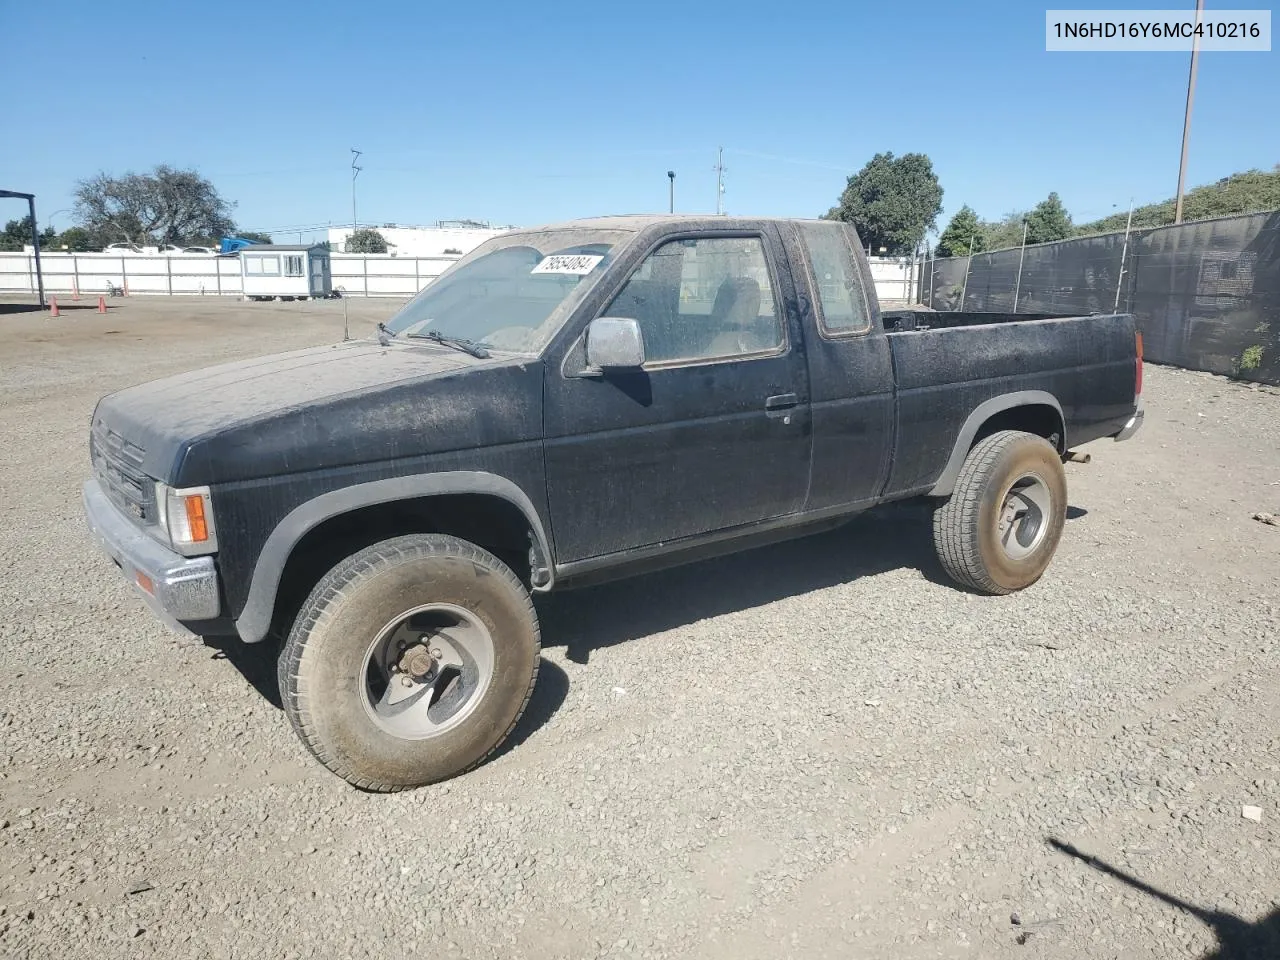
(615, 343)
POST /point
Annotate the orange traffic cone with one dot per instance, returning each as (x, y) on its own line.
(102, 304)
(53, 307)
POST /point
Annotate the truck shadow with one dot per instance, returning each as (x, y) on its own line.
(256, 662)
(1237, 939)
(591, 618)
(890, 538)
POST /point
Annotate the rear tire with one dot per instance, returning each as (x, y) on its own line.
(410, 662)
(1001, 526)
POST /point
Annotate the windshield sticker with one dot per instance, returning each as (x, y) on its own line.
(575, 265)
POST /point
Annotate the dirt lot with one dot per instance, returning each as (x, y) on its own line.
(813, 750)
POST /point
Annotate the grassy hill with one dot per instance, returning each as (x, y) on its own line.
(1247, 192)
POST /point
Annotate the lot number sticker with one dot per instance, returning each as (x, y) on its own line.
(575, 265)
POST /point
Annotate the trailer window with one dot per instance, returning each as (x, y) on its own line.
(293, 266)
(260, 266)
(841, 299)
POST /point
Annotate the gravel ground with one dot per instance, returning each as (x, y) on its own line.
(813, 750)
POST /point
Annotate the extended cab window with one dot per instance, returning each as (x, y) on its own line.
(842, 303)
(701, 299)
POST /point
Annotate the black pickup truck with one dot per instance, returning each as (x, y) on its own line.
(563, 405)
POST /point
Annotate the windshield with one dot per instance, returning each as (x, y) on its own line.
(512, 292)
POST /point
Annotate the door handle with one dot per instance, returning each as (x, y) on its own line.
(781, 401)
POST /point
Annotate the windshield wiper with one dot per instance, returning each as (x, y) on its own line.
(466, 346)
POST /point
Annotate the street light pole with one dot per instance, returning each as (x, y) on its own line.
(48, 221)
(1186, 120)
(671, 176)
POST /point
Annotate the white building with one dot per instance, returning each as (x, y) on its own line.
(285, 271)
(445, 239)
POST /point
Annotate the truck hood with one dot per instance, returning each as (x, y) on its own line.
(261, 417)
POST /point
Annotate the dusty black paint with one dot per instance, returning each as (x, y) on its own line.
(651, 466)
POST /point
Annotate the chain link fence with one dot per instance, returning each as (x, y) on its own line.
(1206, 295)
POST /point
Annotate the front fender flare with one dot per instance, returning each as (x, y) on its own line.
(946, 481)
(255, 619)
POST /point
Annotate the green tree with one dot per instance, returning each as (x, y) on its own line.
(366, 240)
(1048, 221)
(964, 226)
(17, 234)
(892, 201)
(76, 240)
(1005, 232)
(164, 206)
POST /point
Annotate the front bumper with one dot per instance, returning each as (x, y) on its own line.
(175, 587)
(1134, 424)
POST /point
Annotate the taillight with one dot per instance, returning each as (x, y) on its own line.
(1137, 389)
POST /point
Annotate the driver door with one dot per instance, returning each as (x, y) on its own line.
(712, 433)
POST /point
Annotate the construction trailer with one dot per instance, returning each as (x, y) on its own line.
(285, 272)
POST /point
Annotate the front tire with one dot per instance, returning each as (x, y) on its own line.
(410, 662)
(1001, 525)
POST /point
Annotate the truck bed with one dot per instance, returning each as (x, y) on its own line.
(925, 319)
(945, 372)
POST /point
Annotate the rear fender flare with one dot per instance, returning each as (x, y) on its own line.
(946, 481)
(255, 619)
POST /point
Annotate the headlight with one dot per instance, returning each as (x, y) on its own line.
(186, 515)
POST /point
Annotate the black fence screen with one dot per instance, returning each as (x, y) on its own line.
(1206, 295)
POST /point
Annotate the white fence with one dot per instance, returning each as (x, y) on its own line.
(894, 279)
(355, 274)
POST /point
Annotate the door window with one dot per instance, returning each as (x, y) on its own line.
(701, 299)
(839, 288)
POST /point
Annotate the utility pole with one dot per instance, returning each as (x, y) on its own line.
(1017, 287)
(1124, 252)
(720, 182)
(355, 172)
(1186, 120)
(671, 176)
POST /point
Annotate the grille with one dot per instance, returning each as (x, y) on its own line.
(117, 463)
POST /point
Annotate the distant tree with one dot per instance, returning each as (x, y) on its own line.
(164, 206)
(892, 201)
(366, 240)
(1005, 232)
(255, 236)
(1048, 221)
(76, 240)
(964, 226)
(17, 234)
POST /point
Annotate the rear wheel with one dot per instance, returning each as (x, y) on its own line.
(410, 662)
(1001, 526)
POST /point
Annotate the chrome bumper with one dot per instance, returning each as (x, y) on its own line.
(1134, 424)
(181, 588)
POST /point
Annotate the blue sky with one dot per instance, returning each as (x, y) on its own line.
(537, 111)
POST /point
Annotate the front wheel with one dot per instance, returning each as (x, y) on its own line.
(1001, 526)
(410, 662)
